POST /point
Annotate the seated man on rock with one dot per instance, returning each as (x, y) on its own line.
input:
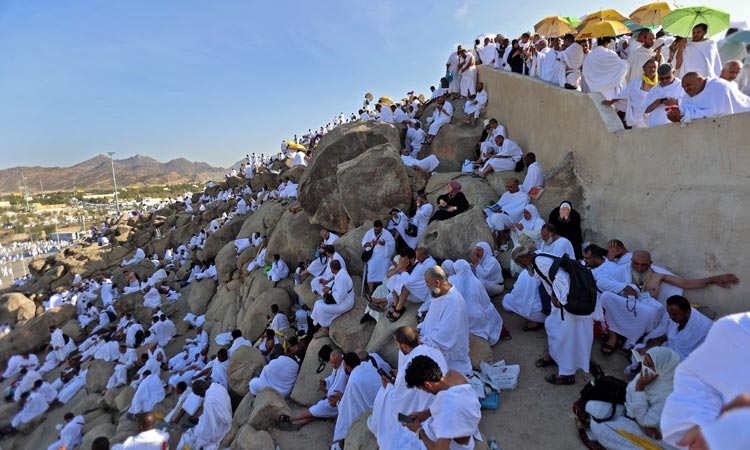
(427, 164)
(533, 183)
(259, 261)
(487, 140)
(442, 115)
(149, 393)
(635, 291)
(333, 386)
(319, 264)
(280, 374)
(148, 435)
(452, 420)
(279, 270)
(189, 403)
(359, 395)
(686, 329)
(400, 222)
(410, 285)
(338, 299)
(474, 105)
(213, 424)
(321, 281)
(507, 211)
(415, 137)
(395, 396)
(505, 155)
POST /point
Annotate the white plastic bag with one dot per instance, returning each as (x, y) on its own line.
(468, 166)
(501, 376)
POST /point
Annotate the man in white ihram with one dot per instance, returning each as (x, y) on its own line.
(342, 292)
(359, 395)
(382, 245)
(569, 337)
(214, 423)
(604, 71)
(446, 325)
(472, 108)
(452, 66)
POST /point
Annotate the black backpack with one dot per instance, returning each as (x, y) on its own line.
(604, 388)
(581, 299)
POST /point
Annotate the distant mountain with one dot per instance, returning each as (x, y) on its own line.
(96, 173)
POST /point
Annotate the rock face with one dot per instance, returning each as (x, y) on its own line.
(477, 191)
(244, 363)
(318, 189)
(381, 341)
(348, 333)
(293, 238)
(98, 374)
(250, 438)
(267, 408)
(106, 429)
(254, 321)
(34, 333)
(349, 246)
(360, 437)
(456, 237)
(306, 390)
(455, 142)
(373, 183)
(200, 294)
(16, 308)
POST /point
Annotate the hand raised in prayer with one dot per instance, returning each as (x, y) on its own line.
(725, 280)
(694, 439)
(644, 380)
(519, 227)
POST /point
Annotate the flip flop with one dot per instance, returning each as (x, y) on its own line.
(541, 362)
(558, 380)
(394, 317)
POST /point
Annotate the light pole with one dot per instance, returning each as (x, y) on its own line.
(114, 179)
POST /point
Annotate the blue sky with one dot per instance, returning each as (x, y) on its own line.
(211, 81)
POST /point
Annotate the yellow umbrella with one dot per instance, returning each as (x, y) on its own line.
(369, 96)
(651, 14)
(604, 14)
(604, 28)
(294, 146)
(553, 26)
(385, 101)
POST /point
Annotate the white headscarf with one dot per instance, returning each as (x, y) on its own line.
(665, 362)
(536, 222)
(488, 270)
(469, 285)
(448, 267)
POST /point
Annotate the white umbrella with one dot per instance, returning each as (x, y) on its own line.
(739, 24)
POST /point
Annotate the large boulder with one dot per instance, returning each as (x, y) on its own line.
(98, 374)
(16, 308)
(222, 311)
(561, 183)
(293, 238)
(360, 437)
(479, 350)
(455, 238)
(263, 220)
(306, 391)
(226, 262)
(318, 187)
(34, 334)
(254, 319)
(267, 407)
(373, 183)
(250, 438)
(305, 293)
(244, 364)
(348, 333)
(200, 294)
(72, 328)
(381, 341)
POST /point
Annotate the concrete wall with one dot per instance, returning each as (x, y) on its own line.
(681, 193)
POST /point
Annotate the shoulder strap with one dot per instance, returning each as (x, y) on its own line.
(552, 270)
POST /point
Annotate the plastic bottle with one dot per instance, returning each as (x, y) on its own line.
(493, 444)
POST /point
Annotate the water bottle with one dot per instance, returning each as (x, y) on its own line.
(493, 444)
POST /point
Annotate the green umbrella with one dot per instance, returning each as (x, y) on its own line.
(682, 21)
(573, 21)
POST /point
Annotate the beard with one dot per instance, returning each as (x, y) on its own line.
(435, 292)
(639, 278)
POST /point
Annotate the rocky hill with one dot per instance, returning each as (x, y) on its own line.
(356, 176)
(97, 173)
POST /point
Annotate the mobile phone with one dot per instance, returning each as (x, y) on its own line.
(403, 418)
(385, 374)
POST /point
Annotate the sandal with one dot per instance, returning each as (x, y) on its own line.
(397, 313)
(558, 380)
(285, 423)
(542, 362)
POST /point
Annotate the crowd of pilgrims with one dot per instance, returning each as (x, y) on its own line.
(688, 386)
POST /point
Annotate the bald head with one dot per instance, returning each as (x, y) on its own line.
(436, 273)
(407, 335)
(693, 83)
(146, 421)
(731, 70)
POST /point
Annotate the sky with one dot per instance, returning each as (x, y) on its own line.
(212, 81)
